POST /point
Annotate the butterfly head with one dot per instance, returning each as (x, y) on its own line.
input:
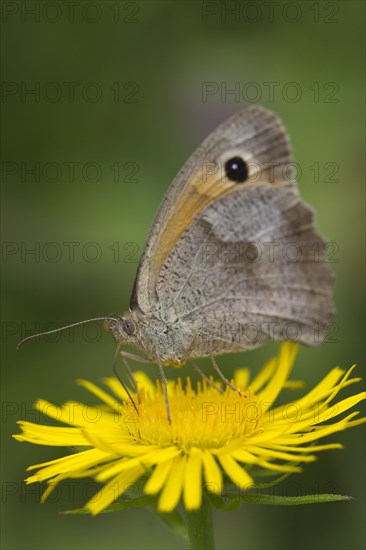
(124, 328)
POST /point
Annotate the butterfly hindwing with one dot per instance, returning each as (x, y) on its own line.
(251, 268)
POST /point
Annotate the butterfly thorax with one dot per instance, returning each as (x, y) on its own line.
(155, 337)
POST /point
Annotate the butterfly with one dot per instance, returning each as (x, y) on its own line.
(232, 259)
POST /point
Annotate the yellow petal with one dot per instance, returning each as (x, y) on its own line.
(51, 435)
(314, 435)
(192, 490)
(241, 378)
(285, 362)
(143, 383)
(308, 449)
(49, 409)
(213, 475)
(146, 460)
(101, 394)
(158, 477)
(51, 486)
(273, 455)
(236, 473)
(69, 464)
(342, 406)
(356, 422)
(321, 389)
(114, 489)
(172, 491)
(102, 443)
(264, 375)
(243, 455)
(279, 467)
(339, 386)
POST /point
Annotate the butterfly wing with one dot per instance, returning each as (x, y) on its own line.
(254, 133)
(251, 268)
(238, 263)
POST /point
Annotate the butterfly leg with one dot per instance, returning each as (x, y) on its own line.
(202, 374)
(134, 357)
(223, 378)
(165, 390)
(114, 367)
(131, 377)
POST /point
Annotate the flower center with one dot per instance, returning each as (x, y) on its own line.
(201, 418)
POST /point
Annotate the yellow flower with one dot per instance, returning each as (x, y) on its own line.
(213, 436)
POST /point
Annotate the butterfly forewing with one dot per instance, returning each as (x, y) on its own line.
(258, 136)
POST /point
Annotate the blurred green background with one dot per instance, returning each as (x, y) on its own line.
(118, 105)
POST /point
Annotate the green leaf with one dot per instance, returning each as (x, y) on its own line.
(117, 506)
(233, 502)
(216, 501)
(293, 501)
(173, 521)
(268, 484)
(261, 473)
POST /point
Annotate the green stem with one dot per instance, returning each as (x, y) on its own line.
(199, 527)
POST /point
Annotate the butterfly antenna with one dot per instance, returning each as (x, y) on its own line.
(25, 340)
(165, 390)
(114, 367)
(223, 378)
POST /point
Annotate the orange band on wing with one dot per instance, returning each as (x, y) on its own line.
(194, 197)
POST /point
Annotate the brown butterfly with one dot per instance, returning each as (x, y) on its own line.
(233, 259)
